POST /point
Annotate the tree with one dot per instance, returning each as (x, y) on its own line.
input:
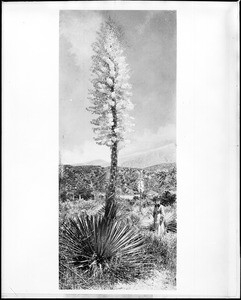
(110, 97)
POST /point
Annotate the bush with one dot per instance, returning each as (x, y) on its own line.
(146, 202)
(134, 219)
(168, 198)
(63, 196)
(162, 251)
(131, 201)
(70, 209)
(85, 193)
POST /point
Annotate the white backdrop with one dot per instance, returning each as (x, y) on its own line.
(207, 148)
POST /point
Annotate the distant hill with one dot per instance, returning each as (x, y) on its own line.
(162, 167)
(155, 157)
(162, 155)
(97, 162)
(85, 180)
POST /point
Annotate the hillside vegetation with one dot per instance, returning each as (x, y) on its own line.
(82, 198)
(87, 181)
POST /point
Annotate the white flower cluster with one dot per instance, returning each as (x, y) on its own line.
(109, 81)
(111, 90)
(110, 102)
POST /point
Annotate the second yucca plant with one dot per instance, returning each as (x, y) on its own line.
(170, 221)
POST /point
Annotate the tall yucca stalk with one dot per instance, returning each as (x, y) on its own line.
(110, 98)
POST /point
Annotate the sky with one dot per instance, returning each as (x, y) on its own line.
(150, 50)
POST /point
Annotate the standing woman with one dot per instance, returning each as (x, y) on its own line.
(159, 215)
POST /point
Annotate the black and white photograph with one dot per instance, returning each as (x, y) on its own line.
(117, 156)
(120, 149)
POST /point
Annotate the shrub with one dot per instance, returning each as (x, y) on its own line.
(162, 251)
(85, 193)
(168, 198)
(134, 219)
(70, 209)
(63, 196)
(131, 201)
(103, 248)
(146, 202)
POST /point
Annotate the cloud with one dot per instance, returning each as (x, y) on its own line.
(140, 28)
(87, 152)
(151, 140)
(148, 140)
(80, 31)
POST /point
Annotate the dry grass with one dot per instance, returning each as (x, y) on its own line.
(160, 253)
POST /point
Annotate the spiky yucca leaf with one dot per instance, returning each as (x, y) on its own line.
(170, 222)
(96, 244)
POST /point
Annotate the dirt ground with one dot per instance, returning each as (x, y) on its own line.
(160, 281)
